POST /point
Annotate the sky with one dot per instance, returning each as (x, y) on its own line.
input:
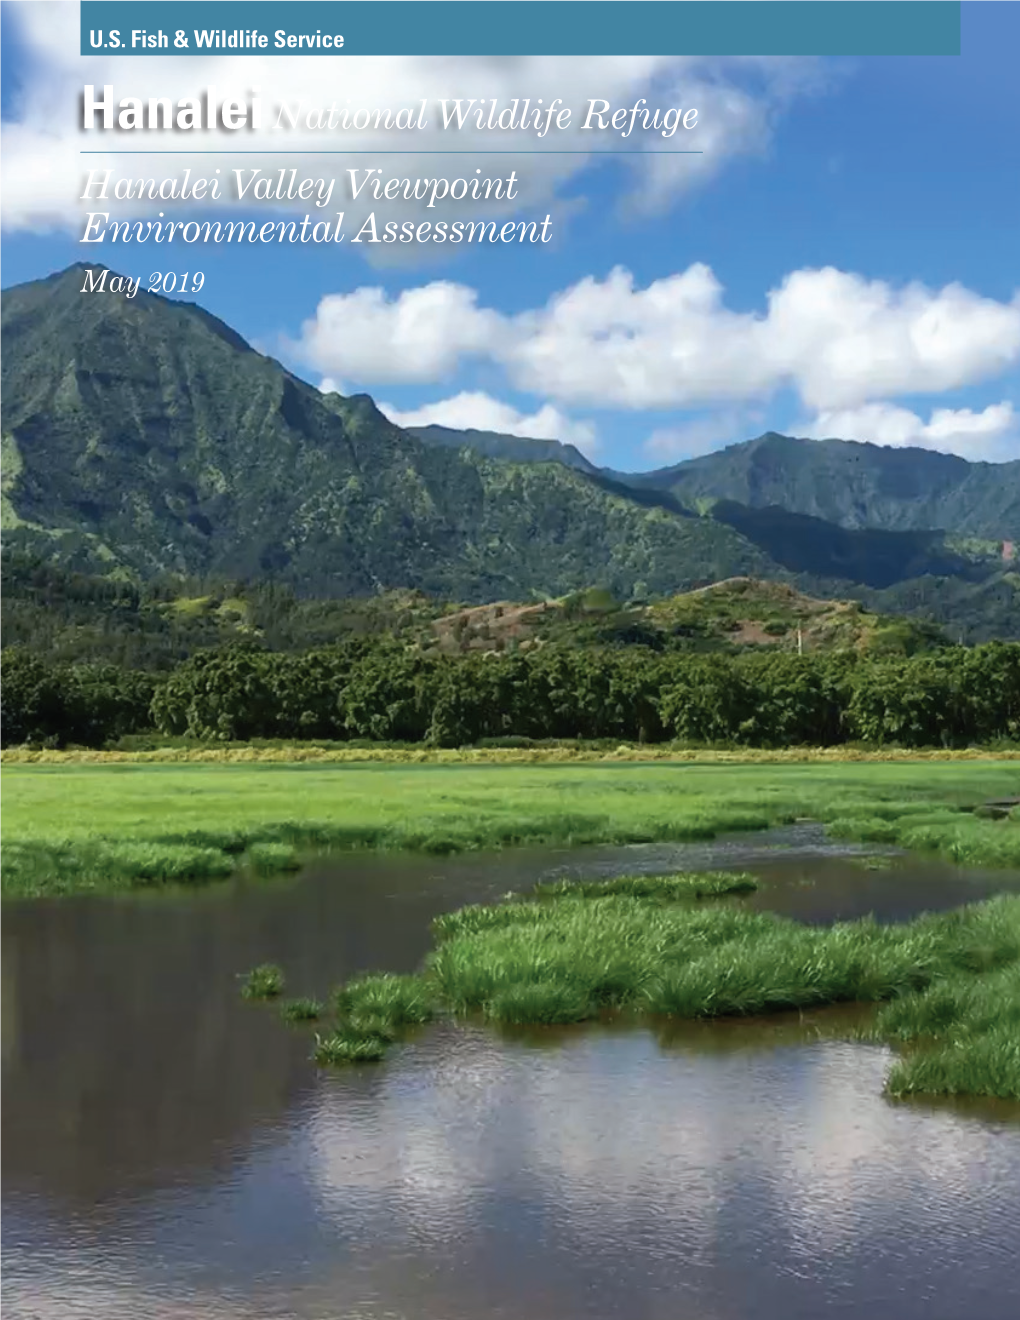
(842, 258)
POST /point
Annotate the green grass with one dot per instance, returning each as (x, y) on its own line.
(705, 961)
(74, 827)
(545, 1002)
(343, 1047)
(370, 1013)
(263, 982)
(960, 837)
(371, 1025)
(301, 1010)
(962, 1037)
(980, 1063)
(400, 1001)
(271, 858)
(659, 888)
(949, 982)
(663, 888)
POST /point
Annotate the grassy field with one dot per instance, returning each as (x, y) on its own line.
(647, 945)
(73, 825)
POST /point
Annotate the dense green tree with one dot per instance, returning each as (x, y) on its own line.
(32, 700)
(226, 695)
(105, 702)
(913, 703)
(388, 696)
(392, 693)
(706, 700)
(793, 699)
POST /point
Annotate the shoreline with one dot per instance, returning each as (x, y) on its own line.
(315, 753)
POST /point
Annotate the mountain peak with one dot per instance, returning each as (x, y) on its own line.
(147, 436)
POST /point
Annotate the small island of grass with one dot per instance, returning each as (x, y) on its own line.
(646, 948)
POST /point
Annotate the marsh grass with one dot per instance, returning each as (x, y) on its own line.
(863, 829)
(77, 825)
(662, 888)
(544, 1002)
(967, 840)
(399, 1001)
(263, 982)
(34, 867)
(483, 916)
(371, 1024)
(362, 1035)
(516, 911)
(301, 1010)
(347, 1047)
(922, 827)
(272, 858)
(974, 1063)
(624, 952)
(950, 981)
(960, 1036)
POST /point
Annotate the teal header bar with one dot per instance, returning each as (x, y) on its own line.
(520, 27)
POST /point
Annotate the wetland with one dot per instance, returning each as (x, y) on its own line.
(171, 1149)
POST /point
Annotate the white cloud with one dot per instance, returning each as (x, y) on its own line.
(419, 336)
(836, 338)
(43, 173)
(845, 340)
(839, 340)
(607, 342)
(475, 410)
(992, 433)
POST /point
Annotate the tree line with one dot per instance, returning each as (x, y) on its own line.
(386, 692)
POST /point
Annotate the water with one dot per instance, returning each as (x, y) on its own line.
(169, 1151)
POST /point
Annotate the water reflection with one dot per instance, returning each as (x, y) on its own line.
(170, 1151)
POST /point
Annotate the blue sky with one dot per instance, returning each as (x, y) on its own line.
(894, 171)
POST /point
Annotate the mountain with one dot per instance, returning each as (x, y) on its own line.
(847, 483)
(512, 448)
(868, 556)
(853, 485)
(967, 611)
(143, 437)
(821, 551)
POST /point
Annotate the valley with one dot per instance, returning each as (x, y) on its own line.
(146, 440)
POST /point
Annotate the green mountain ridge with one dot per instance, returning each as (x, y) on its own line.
(870, 557)
(145, 439)
(511, 448)
(853, 484)
(849, 483)
(955, 580)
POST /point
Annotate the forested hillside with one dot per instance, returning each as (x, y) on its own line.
(853, 485)
(71, 617)
(145, 443)
(147, 436)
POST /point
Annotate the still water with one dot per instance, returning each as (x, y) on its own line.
(169, 1151)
